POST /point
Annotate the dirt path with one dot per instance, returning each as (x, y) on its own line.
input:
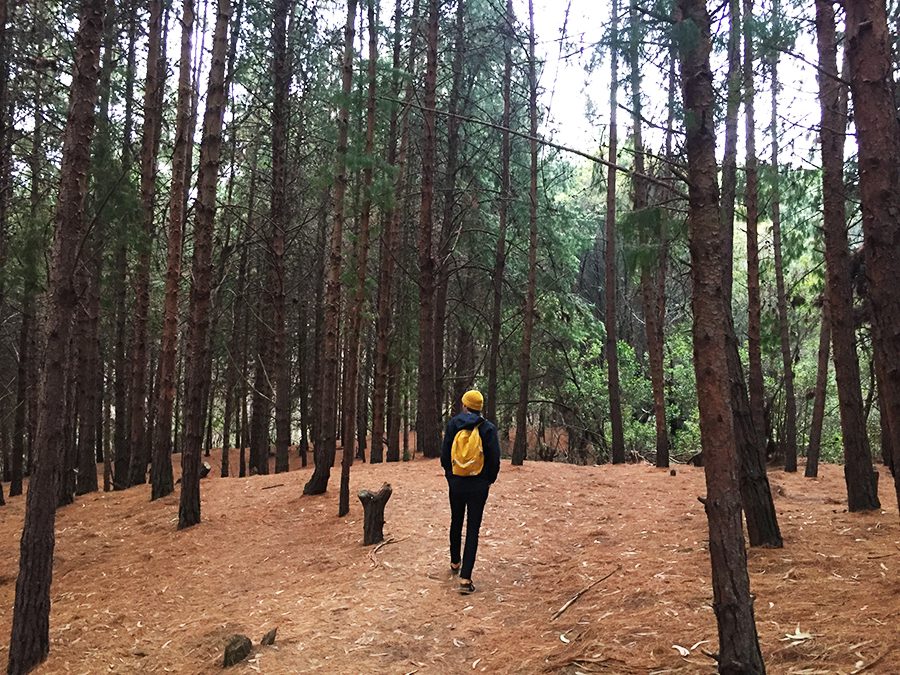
(133, 595)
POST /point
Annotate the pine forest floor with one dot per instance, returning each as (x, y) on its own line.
(131, 594)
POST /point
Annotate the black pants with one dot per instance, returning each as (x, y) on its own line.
(466, 495)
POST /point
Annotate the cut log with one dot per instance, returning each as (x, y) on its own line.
(373, 513)
(238, 649)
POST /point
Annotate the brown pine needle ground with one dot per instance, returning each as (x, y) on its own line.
(131, 594)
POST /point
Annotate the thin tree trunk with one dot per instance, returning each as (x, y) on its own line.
(789, 442)
(447, 235)
(751, 204)
(280, 349)
(352, 353)
(756, 495)
(520, 447)
(325, 446)
(862, 489)
(161, 468)
(30, 640)
(122, 441)
(149, 151)
(818, 415)
(19, 424)
(649, 267)
(389, 240)
(198, 326)
(502, 217)
(732, 602)
(610, 281)
(427, 422)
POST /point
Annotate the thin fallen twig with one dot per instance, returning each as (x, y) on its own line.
(582, 592)
(381, 545)
(269, 487)
(870, 663)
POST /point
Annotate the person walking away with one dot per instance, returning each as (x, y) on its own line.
(470, 456)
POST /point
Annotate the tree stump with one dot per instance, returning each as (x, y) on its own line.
(238, 649)
(269, 638)
(373, 513)
(205, 468)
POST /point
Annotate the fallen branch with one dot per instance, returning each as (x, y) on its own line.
(584, 590)
(269, 487)
(381, 545)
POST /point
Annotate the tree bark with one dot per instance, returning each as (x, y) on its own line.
(198, 325)
(30, 640)
(733, 605)
(325, 446)
(878, 136)
(427, 419)
(161, 468)
(610, 282)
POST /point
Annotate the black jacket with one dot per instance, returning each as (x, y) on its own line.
(489, 441)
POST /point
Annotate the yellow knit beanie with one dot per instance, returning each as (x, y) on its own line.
(473, 400)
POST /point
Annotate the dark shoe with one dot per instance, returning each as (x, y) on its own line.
(466, 587)
(454, 571)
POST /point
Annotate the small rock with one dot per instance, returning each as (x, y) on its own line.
(269, 638)
(673, 472)
(238, 649)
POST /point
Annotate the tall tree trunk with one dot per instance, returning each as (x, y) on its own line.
(497, 277)
(149, 151)
(326, 442)
(427, 422)
(756, 495)
(390, 237)
(789, 442)
(871, 84)
(520, 447)
(733, 605)
(30, 640)
(198, 325)
(751, 204)
(161, 468)
(610, 281)
(447, 236)
(649, 267)
(352, 353)
(818, 415)
(122, 442)
(280, 349)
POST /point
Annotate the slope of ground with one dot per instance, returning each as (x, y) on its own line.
(131, 594)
